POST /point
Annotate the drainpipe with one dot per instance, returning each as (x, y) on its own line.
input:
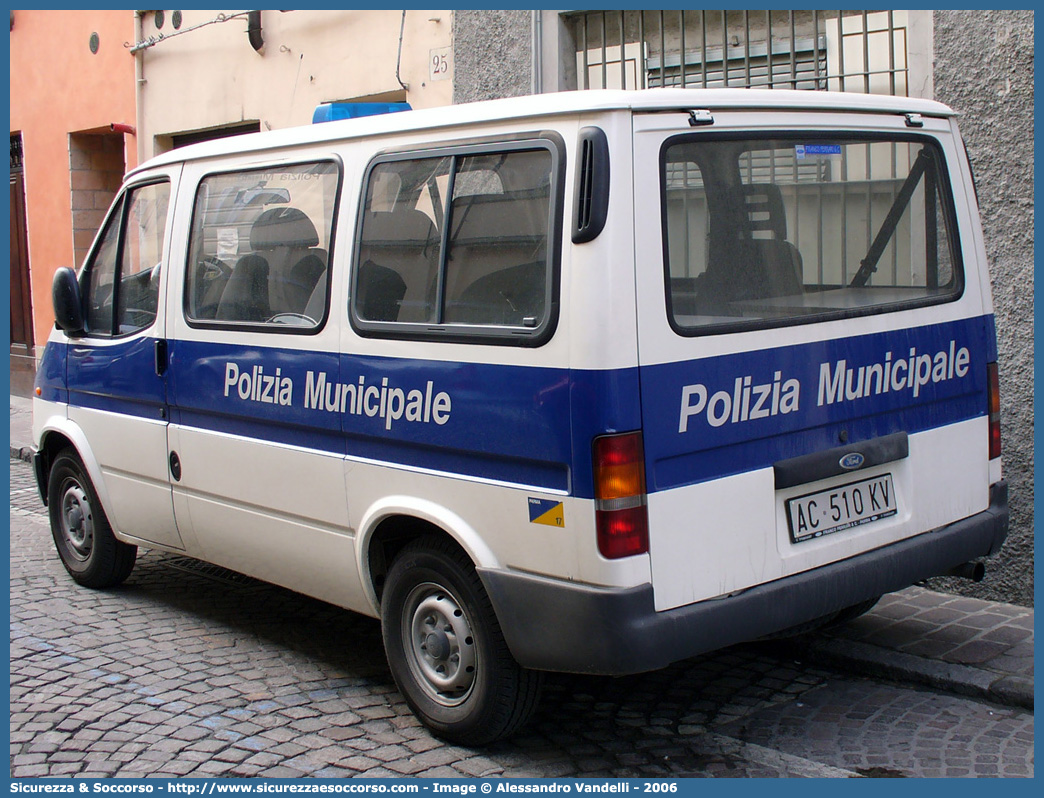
(139, 94)
(257, 41)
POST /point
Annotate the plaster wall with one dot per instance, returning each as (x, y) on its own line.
(494, 52)
(211, 77)
(984, 71)
(58, 88)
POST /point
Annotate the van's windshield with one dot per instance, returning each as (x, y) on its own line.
(762, 232)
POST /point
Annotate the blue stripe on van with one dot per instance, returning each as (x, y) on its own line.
(119, 377)
(534, 426)
(50, 374)
(503, 423)
(713, 417)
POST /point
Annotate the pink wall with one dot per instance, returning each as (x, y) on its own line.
(59, 87)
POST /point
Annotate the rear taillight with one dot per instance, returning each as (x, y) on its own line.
(994, 410)
(619, 482)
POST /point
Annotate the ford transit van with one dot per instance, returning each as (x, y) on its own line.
(586, 382)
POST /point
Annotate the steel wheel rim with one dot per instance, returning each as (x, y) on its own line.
(77, 520)
(439, 644)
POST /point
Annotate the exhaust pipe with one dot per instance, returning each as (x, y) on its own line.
(974, 571)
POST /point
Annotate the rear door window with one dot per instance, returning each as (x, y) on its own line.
(766, 232)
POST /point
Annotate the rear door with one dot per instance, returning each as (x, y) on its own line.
(812, 342)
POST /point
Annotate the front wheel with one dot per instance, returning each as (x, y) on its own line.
(446, 651)
(89, 551)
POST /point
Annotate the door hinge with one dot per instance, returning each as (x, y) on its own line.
(700, 118)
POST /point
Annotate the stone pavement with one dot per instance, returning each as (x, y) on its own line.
(968, 646)
(972, 647)
(191, 670)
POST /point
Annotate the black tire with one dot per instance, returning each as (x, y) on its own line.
(446, 650)
(89, 551)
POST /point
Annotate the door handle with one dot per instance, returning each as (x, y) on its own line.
(161, 357)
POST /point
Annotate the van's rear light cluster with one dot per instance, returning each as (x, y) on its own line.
(619, 480)
(994, 410)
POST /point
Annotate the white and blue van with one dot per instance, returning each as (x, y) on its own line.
(586, 382)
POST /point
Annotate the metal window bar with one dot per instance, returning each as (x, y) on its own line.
(699, 48)
(681, 30)
(605, 66)
(733, 63)
(891, 52)
(746, 46)
(841, 48)
(793, 54)
(768, 38)
(584, 50)
(724, 46)
(640, 67)
(703, 46)
(866, 56)
(663, 46)
(623, 52)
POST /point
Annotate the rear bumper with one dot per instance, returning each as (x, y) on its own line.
(551, 625)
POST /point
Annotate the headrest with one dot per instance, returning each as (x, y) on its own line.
(764, 205)
(283, 227)
(499, 215)
(403, 227)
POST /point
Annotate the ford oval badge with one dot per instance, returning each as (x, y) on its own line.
(851, 461)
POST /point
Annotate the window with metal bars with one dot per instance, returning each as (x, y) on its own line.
(16, 152)
(860, 51)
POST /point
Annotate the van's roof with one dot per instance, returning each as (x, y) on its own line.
(570, 102)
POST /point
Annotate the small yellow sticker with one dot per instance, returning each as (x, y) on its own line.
(548, 513)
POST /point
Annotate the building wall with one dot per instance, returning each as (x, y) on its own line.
(59, 88)
(984, 71)
(96, 167)
(494, 55)
(211, 77)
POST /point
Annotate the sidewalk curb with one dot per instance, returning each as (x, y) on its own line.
(871, 660)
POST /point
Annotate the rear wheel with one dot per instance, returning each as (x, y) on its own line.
(446, 650)
(89, 551)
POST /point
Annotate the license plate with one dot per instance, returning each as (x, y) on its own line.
(840, 508)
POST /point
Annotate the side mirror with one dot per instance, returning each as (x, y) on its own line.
(65, 296)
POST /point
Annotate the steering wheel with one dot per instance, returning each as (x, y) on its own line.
(211, 263)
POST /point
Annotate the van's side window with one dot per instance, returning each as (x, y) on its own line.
(260, 247)
(792, 229)
(122, 278)
(458, 243)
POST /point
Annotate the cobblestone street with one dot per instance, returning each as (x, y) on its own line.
(189, 670)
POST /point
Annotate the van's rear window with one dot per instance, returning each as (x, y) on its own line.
(766, 232)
